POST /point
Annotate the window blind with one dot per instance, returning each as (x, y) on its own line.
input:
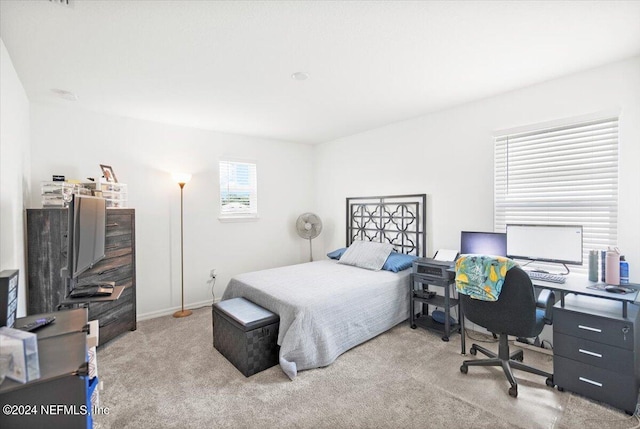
(566, 175)
(238, 189)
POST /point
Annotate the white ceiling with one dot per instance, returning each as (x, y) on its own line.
(227, 66)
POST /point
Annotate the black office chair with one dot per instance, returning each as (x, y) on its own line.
(515, 313)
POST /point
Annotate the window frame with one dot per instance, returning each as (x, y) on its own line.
(238, 215)
(597, 212)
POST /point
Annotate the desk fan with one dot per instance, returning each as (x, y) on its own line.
(309, 226)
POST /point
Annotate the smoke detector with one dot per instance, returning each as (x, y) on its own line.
(300, 76)
(64, 94)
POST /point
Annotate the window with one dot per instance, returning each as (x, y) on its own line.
(238, 190)
(565, 175)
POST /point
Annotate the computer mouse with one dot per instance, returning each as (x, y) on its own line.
(615, 289)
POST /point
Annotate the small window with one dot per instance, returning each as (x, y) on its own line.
(238, 190)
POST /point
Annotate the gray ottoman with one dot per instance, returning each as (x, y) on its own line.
(246, 334)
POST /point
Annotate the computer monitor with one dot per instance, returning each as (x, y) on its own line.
(545, 243)
(484, 243)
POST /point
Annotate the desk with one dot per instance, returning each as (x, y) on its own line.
(578, 284)
(62, 352)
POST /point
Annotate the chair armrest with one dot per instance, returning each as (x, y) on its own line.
(546, 300)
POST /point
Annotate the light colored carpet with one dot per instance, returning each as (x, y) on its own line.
(168, 375)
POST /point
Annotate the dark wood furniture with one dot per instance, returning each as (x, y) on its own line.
(46, 253)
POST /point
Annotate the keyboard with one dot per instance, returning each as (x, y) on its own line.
(546, 277)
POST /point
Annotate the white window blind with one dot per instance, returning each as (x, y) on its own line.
(238, 189)
(565, 175)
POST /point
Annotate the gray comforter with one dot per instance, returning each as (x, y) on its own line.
(325, 308)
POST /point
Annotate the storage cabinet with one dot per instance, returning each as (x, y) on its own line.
(46, 252)
(246, 334)
(61, 397)
(8, 297)
(596, 350)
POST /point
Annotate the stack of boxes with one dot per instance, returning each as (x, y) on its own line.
(115, 194)
(58, 194)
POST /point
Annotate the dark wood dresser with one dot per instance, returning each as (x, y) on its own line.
(46, 254)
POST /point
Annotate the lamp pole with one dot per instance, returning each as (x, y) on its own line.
(182, 180)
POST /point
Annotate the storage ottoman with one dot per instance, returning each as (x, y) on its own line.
(246, 334)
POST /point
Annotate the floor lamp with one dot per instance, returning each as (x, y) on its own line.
(182, 179)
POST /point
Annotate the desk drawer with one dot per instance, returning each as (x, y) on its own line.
(592, 353)
(619, 390)
(615, 332)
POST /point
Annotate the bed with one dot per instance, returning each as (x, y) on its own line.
(326, 307)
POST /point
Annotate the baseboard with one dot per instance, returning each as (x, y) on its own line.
(532, 347)
(170, 311)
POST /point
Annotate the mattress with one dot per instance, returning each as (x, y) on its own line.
(325, 308)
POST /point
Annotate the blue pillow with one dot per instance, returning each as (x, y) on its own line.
(337, 254)
(398, 262)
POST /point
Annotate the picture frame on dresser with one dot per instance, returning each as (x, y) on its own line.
(107, 172)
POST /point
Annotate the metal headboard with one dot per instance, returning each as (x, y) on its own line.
(397, 219)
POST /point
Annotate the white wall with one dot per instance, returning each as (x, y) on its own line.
(14, 171)
(449, 156)
(68, 141)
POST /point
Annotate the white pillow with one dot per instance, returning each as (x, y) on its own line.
(366, 254)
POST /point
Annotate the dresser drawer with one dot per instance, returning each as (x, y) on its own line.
(102, 310)
(115, 317)
(606, 330)
(119, 223)
(619, 390)
(592, 353)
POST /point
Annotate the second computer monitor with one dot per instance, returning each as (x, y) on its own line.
(484, 243)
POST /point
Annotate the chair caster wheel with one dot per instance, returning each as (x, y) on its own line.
(513, 391)
(446, 339)
(550, 382)
(414, 326)
(473, 351)
(464, 369)
(560, 389)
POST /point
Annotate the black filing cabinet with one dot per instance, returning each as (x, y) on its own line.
(596, 350)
